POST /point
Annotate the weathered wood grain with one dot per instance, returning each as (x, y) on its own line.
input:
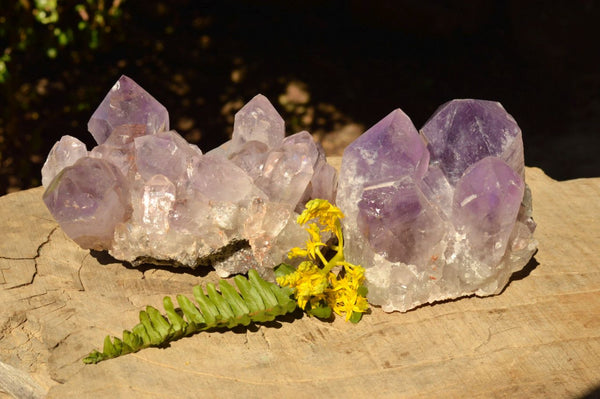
(539, 338)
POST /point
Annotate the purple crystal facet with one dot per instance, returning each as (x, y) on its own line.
(431, 229)
(127, 103)
(88, 199)
(399, 222)
(388, 151)
(461, 132)
(485, 206)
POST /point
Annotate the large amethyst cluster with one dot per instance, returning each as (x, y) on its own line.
(147, 195)
(435, 214)
(438, 214)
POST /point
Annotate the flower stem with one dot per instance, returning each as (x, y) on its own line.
(318, 252)
(337, 258)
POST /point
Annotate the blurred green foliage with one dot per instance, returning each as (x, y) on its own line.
(42, 42)
(46, 28)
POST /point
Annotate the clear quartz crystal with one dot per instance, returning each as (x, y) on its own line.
(440, 214)
(147, 195)
(64, 153)
(258, 121)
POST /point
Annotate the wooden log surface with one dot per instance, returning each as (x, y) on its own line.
(539, 338)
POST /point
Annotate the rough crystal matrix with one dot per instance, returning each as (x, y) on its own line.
(438, 214)
(147, 195)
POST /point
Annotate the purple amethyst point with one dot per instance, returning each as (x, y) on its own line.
(88, 200)
(127, 103)
(461, 132)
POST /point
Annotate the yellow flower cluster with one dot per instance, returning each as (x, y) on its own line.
(313, 244)
(309, 284)
(344, 294)
(326, 214)
(319, 286)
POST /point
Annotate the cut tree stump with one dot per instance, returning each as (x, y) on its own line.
(539, 338)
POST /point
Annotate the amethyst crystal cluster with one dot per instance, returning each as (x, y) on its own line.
(147, 195)
(432, 215)
(438, 214)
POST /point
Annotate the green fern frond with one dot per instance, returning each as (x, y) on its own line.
(257, 301)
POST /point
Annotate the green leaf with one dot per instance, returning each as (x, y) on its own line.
(140, 331)
(155, 336)
(283, 269)
(362, 291)
(236, 303)
(178, 324)
(109, 348)
(259, 301)
(355, 317)
(321, 311)
(132, 340)
(223, 307)
(269, 299)
(209, 310)
(191, 312)
(283, 295)
(250, 294)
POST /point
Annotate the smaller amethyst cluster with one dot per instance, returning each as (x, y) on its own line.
(436, 214)
(147, 195)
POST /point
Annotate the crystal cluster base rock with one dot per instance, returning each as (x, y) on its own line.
(438, 214)
(146, 195)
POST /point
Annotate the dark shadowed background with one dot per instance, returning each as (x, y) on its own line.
(331, 67)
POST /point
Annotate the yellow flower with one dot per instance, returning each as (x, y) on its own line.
(309, 283)
(343, 295)
(328, 215)
(354, 273)
(313, 284)
(313, 244)
(297, 252)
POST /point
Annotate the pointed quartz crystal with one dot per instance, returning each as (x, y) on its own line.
(258, 121)
(64, 153)
(388, 151)
(485, 207)
(287, 171)
(119, 148)
(127, 103)
(389, 154)
(219, 179)
(165, 153)
(461, 132)
(157, 204)
(88, 199)
(399, 222)
(323, 182)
